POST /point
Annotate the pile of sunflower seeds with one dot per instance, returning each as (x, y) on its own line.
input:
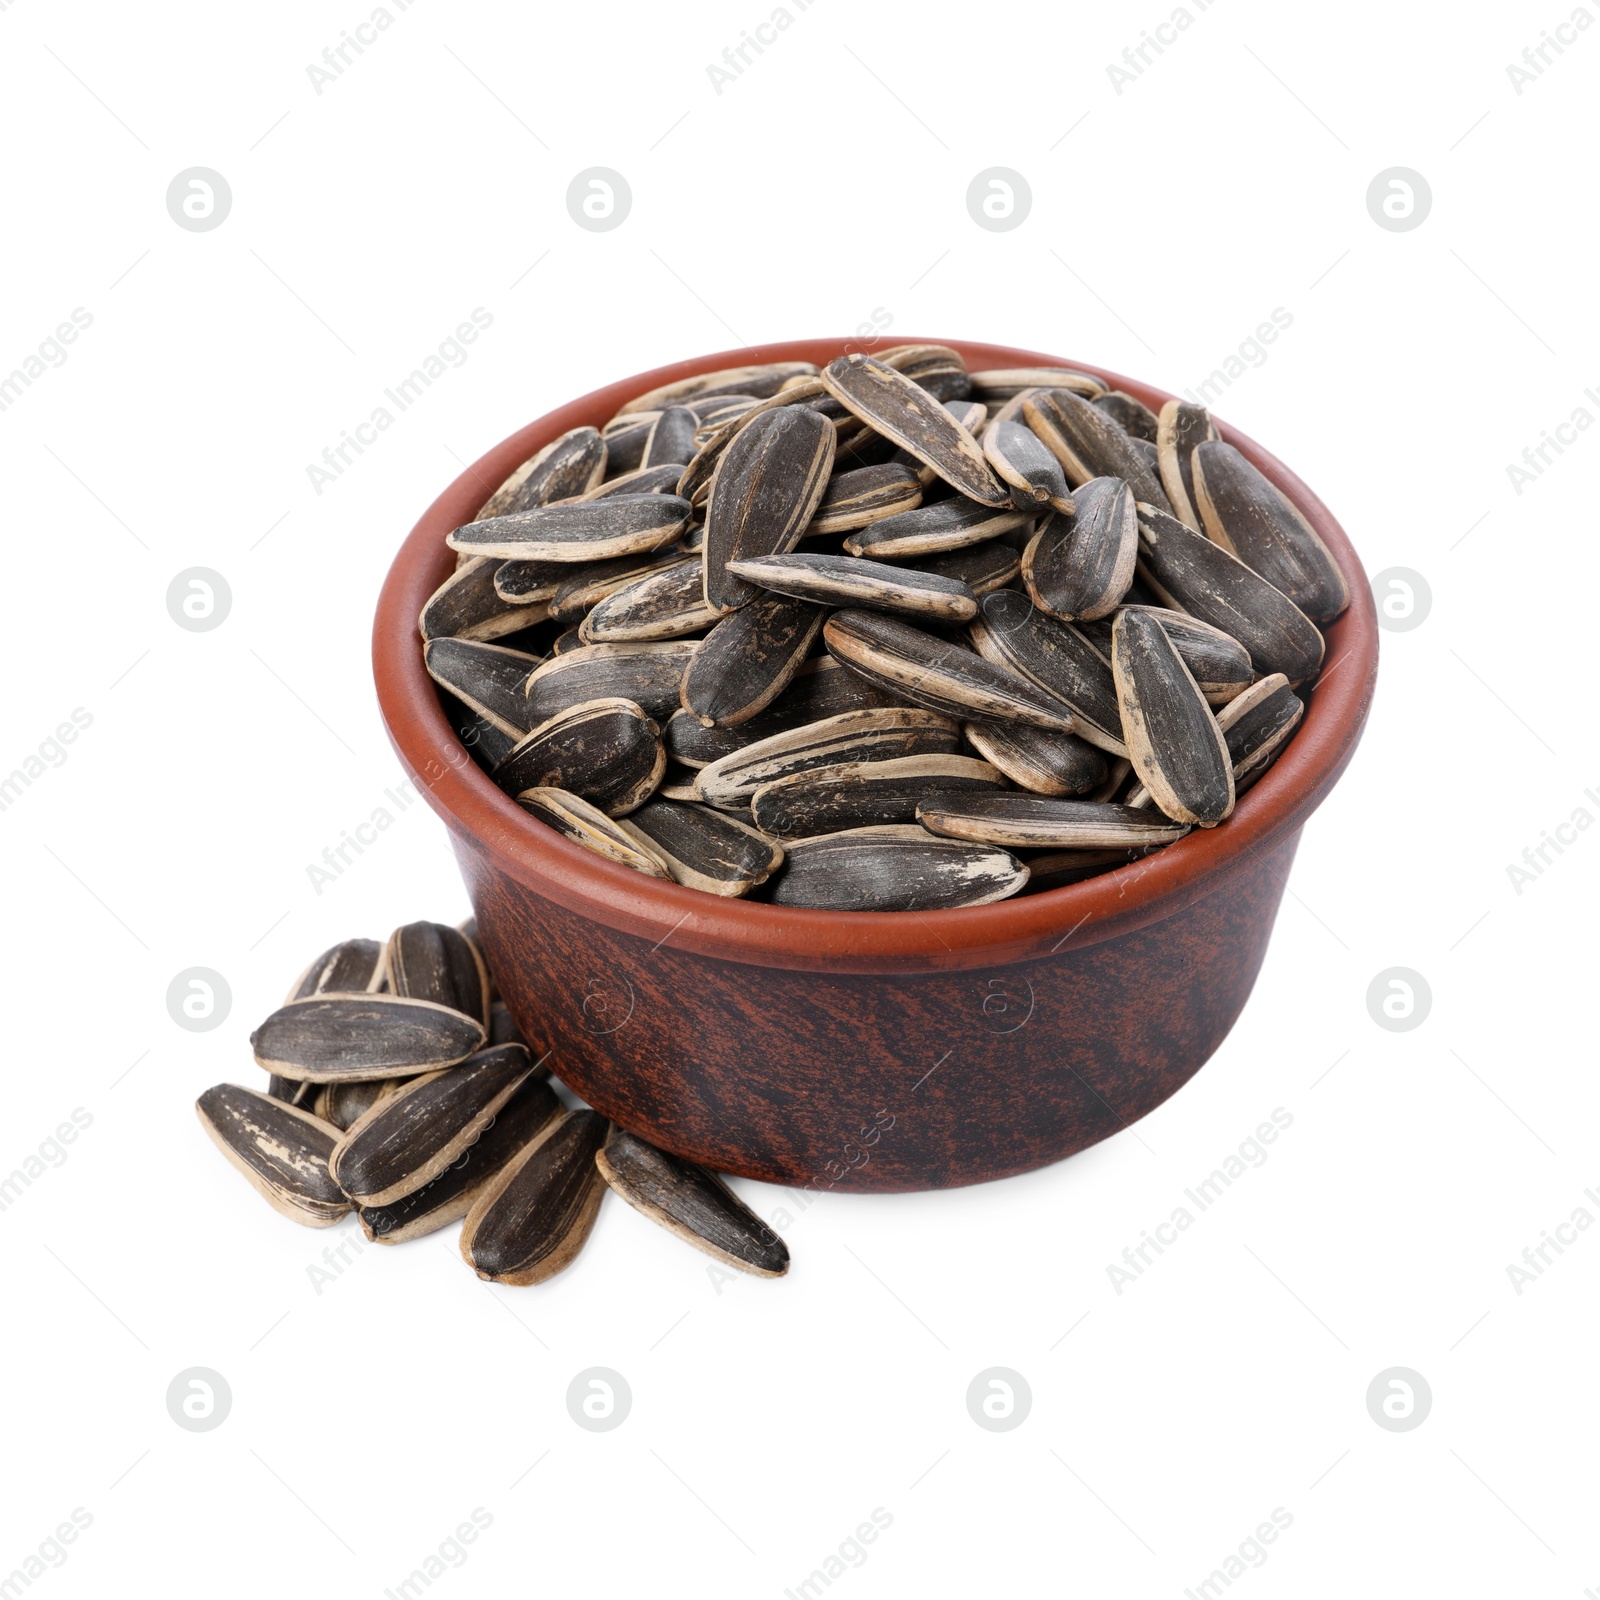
(888, 635)
(401, 1089)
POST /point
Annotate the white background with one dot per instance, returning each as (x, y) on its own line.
(770, 1419)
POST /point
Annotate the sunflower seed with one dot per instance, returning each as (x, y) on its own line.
(934, 367)
(331, 1038)
(1257, 725)
(692, 1203)
(1172, 737)
(848, 580)
(706, 849)
(1218, 662)
(1027, 822)
(354, 966)
(642, 480)
(341, 1104)
(487, 678)
(535, 1215)
(579, 530)
(566, 642)
(566, 466)
(1179, 428)
(1252, 519)
(864, 794)
(626, 437)
(866, 495)
(487, 743)
(757, 382)
(1134, 417)
(449, 1196)
(431, 961)
(932, 529)
(894, 868)
(983, 568)
(852, 737)
(665, 604)
(503, 1027)
(1039, 759)
(469, 605)
(1055, 869)
(908, 414)
(996, 385)
(1055, 658)
(1119, 774)
(1089, 444)
(606, 751)
(1080, 563)
(650, 675)
(409, 1137)
(523, 583)
(1033, 474)
(715, 409)
(575, 819)
(767, 488)
(943, 677)
(1188, 571)
(585, 587)
(303, 1095)
(282, 1152)
(671, 441)
(748, 658)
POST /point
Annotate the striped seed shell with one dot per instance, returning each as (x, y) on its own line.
(1253, 519)
(650, 675)
(1039, 759)
(748, 658)
(1257, 724)
(564, 467)
(1134, 417)
(470, 605)
(864, 794)
(853, 737)
(767, 488)
(706, 849)
(757, 382)
(1026, 822)
(607, 751)
(821, 688)
(282, 1151)
(409, 1137)
(487, 743)
(578, 530)
(536, 1214)
(524, 583)
(585, 587)
(932, 529)
(1033, 475)
(1179, 428)
(1080, 563)
(983, 568)
(857, 498)
(928, 671)
(303, 1095)
(665, 604)
(999, 384)
(433, 961)
(850, 580)
(353, 966)
(1056, 658)
(1191, 573)
(448, 1198)
(487, 678)
(1088, 444)
(901, 410)
(692, 1203)
(1218, 662)
(1172, 736)
(330, 1038)
(641, 480)
(935, 367)
(575, 819)
(1055, 869)
(341, 1104)
(566, 642)
(894, 868)
(503, 1027)
(626, 437)
(671, 441)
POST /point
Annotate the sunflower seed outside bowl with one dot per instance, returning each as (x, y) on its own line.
(606, 751)
(706, 849)
(940, 676)
(692, 1203)
(409, 1137)
(342, 1104)
(534, 1217)
(853, 581)
(594, 530)
(1173, 740)
(1252, 519)
(334, 1037)
(650, 675)
(433, 961)
(282, 1151)
(864, 794)
(894, 868)
(1028, 822)
(353, 966)
(449, 1197)
(575, 819)
(748, 659)
(1079, 564)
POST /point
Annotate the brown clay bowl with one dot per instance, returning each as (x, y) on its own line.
(866, 1051)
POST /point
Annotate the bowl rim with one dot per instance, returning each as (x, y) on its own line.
(491, 824)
